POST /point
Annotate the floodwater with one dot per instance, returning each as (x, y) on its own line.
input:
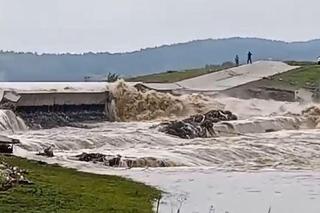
(249, 172)
(235, 174)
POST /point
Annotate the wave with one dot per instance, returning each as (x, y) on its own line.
(134, 105)
(313, 114)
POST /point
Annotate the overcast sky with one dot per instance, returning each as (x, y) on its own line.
(126, 25)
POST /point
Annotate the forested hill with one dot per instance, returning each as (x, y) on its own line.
(73, 67)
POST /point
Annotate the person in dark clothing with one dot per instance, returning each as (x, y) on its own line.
(249, 58)
(237, 60)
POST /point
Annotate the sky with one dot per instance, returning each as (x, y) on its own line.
(76, 26)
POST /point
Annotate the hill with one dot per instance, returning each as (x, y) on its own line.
(194, 54)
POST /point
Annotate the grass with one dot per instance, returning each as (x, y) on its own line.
(307, 76)
(300, 63)
(58, 189)
(174, 76)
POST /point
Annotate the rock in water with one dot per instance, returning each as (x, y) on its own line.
(197, 126)
(120, 161)
(94, 157)
(47, 152)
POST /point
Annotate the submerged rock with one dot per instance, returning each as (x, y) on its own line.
(4, 148)
(6, 144)
(93, 157)
(47, 152)
(120, 161)
(201, 125)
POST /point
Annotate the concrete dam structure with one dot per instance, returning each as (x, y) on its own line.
(62, 101)
(49, 107)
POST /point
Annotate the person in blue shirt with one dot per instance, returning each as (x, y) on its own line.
(237, 60)
(249, 58)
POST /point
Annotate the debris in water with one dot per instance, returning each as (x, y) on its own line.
(94, 157)
(197, 126)
(120, 161)
(47, 152)
(6, 144)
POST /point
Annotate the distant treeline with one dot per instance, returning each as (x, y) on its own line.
(74, 67)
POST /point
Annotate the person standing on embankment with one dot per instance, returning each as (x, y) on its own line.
(237, 60)
(249, 58)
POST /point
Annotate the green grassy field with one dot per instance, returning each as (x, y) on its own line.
(174, 76)
(307, 76)
(58, 189)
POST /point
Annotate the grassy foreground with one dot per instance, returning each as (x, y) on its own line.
(58, 189)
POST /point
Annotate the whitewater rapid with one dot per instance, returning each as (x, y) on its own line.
(238, 174)
(10, 122)
(268, 158)
(287, 149)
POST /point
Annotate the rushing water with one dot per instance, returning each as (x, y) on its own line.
(268, 158)
(10, 122)
(295, 149)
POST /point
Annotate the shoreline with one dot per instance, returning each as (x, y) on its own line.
(203, 187)
(60, 189)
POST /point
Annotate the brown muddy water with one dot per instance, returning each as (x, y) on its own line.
(247, 169)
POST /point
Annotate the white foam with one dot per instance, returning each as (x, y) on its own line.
(9, 121)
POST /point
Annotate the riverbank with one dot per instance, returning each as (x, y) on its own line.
(57, 189)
